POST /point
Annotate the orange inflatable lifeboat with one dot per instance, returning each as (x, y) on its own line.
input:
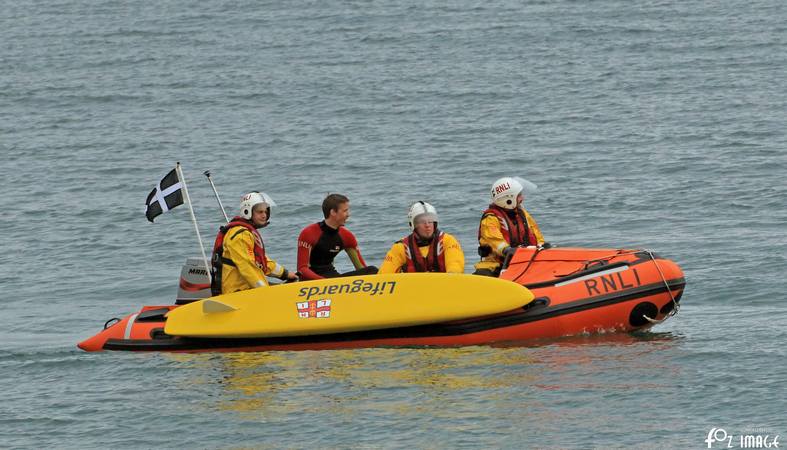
(577, 291)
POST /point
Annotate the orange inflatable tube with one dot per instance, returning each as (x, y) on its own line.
(577, 290)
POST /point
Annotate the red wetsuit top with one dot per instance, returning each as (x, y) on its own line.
(318, 245)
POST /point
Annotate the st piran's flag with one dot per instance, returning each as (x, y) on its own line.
(167, 195)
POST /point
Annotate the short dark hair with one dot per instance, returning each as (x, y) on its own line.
(331, 202)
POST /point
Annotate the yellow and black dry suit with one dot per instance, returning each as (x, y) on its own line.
(448, 255)
(500, 229)
(239, 260)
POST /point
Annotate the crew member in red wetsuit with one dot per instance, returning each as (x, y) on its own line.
(319, 243)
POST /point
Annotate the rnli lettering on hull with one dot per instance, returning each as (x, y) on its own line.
(613, 282)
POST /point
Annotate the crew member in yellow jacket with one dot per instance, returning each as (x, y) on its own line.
(426, 249)
(505, 225)
(239, 261)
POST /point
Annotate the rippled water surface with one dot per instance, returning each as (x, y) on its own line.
(656, 125)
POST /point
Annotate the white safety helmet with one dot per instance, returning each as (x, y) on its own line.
(421, 211)
(506, 189)
(252, 199)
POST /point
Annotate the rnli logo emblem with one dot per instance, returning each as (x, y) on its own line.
(500, 188)
(320, 309)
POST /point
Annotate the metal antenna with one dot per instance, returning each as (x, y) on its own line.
(210, 180)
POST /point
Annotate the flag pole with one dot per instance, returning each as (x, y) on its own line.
(210, 180)
(193, 217)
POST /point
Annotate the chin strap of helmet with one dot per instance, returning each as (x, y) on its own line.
(421, 241)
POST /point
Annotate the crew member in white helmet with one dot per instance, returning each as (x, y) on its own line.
(426, 249)
(239, 261)
(505, 225)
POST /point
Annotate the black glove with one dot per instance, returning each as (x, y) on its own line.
(546, 245)
(509, 251)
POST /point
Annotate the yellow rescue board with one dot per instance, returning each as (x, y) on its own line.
(346, 304)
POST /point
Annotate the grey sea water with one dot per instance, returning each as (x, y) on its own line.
(657, 124)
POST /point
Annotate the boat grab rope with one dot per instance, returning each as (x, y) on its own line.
(602, 260)
(620, 252)
(675, 304)
(587, 263)
(529, 263)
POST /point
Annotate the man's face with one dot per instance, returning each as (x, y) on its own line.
(341, 214)
(424, 228)
(259, 214)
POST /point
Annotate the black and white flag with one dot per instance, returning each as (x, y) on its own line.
(167, 195)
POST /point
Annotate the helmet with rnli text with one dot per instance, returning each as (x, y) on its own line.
(421, 211)
(506, 189)
(252, 199)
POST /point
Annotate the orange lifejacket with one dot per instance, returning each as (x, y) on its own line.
(218, 260)
(435, 259)
(515, 231)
